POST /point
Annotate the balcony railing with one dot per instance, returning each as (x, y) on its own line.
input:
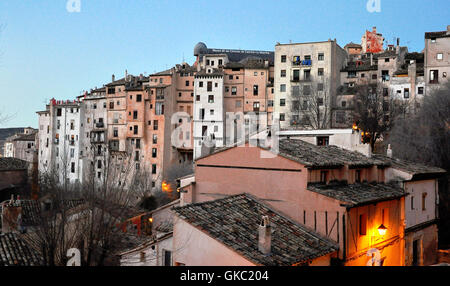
(307, 63)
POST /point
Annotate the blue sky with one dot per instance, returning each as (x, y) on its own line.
(46, 52)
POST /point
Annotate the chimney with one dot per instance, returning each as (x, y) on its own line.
(113, 78)
(374, 30)
(265, 236)
(398, 42)
(126, 75)
(389, 151)
(11, 216)
(448, 29)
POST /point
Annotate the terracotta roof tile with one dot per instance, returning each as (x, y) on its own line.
(234, 221)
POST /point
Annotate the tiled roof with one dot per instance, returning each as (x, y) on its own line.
(352, 45)
(324, 156)
(415, 169)
(234, 222)
(26, 137)
(363, 66)
(215, 72)
(166, 72)
(441, 34)
(12, 164)
(239, 55)
(358, 194)
(15, 252)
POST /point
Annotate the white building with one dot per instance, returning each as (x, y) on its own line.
(22, 145)
(94, 141)
(60, 144)
(208, 111)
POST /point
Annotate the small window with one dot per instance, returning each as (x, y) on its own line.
(439, 56)
(210, 98)
(283, 58)
(358, 176)
(324, 177)
(412, 202)
(282, 88)
(282, 117)
(321, 57)
(282, 102)
(363, 224)
(424, 200)
(283, 73)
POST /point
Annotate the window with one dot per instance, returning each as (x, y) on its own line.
(155, 124)
(136, 156)
(358, 176)
(323, 176)
(255, 90)
(412, 202)
(200, 84)
(167, 258)
(136, 130)
(282, 117)
(220, 62)
(433, 40)
(283, 58)
(154, 152)
(187, 83)
(116, 132)
(307, 75)
(139, 97)
(424, 200)
(374, 76)
(282, 88)
(307, 90)
(320, 101)
(238, 103)
(210, 98)
(197, 97)
(439, 56)
(321, 57)
(233, 90)
(386, 60)
(343, 103)
(111, 90)
(111, 105)
(283, 73)
(256, 106)
(153, 168)
(138, 143)
(305, 105)
(209, 88)
(99, 164)
(420, 90)
(58, 112)
(385, 92)
(155, 139)
(323, 141)
(434, 76)
(72, 167)
(135, 114)
(159, 108)
(282, 102)
(320, 72)
(363, 224)
(211, 112)
(406, 93)
(270, 103)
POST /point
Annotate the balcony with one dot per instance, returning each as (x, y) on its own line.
(305, 63)
(100, 125)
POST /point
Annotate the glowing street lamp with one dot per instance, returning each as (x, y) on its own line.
(382, 230)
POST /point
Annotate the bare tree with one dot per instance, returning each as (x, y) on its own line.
(311, 105)
(375, 111)
(91, 216)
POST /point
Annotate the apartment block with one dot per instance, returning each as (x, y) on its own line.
(306, 79)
